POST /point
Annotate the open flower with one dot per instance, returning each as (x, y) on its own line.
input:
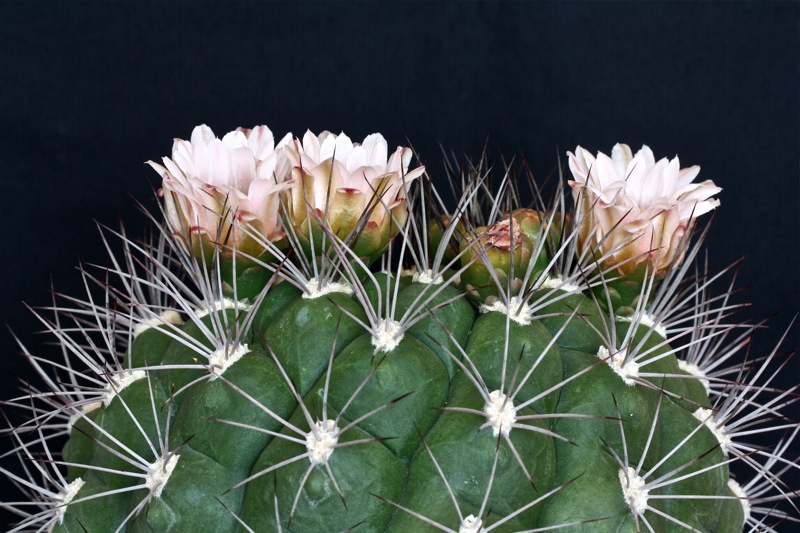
(209, 181)
(636, 210)
(355, 189)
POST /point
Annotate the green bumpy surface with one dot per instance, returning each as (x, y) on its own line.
(229, 429)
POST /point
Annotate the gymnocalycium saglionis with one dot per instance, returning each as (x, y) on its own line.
(311, 340)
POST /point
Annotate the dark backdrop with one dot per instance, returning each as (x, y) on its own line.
(91, 90)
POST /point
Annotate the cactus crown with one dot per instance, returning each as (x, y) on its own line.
(313, 341)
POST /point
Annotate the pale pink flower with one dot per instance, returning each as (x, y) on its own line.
(208, 181)
(341, 181)
(652, 204)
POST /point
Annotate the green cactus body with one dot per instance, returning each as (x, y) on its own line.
(497, 392)
(247, 421)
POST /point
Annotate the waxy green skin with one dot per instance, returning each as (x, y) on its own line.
(423, 376)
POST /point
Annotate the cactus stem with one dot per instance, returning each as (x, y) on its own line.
(153, 475)
(640, 486)
(242, 522)
(268, 470)
(471, 520)
(386, 330)
(419, 308)
(256, 428)
(322, 439)
(473, 374)
(648, 321)
(203, 313)
(473, 525)
(415, 514)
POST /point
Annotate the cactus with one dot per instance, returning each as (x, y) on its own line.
(311, 341)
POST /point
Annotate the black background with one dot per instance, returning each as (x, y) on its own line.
(91, 90)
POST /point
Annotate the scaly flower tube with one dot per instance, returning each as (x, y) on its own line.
(635, 211)
(354, 188)
(213, 188)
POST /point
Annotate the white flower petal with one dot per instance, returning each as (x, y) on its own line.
(235, 139)
(327, 146)
(621, 155)
(356, 159)
(687, 175)
(344, 146)
(243, 168)
(604, 179)
(261, 142)
(579, 166)
(647, 155)
(311, 144)
(376, 148)
(183, 156)
(202, 133)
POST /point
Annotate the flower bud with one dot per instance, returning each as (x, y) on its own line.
(492, 252)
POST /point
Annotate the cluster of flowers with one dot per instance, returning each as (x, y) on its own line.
(632, 211)
(214, 188)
